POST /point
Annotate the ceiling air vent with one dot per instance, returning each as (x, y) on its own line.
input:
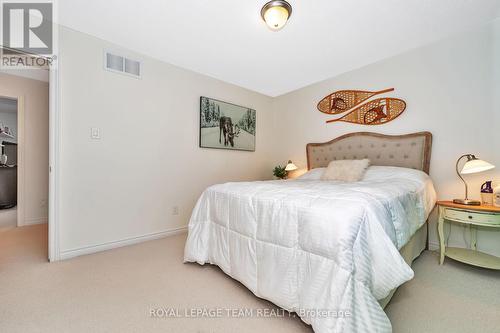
(120, 64)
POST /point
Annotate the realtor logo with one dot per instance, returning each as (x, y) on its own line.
(27, 28)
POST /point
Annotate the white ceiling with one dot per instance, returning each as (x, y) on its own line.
(226, 39)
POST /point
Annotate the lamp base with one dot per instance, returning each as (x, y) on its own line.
(467, 202)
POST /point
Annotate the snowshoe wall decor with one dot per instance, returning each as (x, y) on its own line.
(344, 100)
(376, 112)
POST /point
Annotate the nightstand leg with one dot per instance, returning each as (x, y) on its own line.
(473, 237)
(441, 236)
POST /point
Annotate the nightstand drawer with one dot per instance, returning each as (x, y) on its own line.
(469, 217)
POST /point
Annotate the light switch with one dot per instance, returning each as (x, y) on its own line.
(95, 133)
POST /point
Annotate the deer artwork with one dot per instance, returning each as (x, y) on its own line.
(230, 132)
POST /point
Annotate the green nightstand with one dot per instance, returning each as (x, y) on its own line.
(484, 216)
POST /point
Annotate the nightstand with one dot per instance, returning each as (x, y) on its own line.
(472, 216)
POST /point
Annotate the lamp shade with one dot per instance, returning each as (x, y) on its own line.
(475, 165)
(290, 166)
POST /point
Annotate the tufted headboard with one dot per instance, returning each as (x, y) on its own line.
(409, 150)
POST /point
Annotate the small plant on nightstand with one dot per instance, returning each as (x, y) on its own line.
(280, 172)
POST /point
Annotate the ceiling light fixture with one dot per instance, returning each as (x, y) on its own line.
(276, 13)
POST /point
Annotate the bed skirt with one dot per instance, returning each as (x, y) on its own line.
(415, 246)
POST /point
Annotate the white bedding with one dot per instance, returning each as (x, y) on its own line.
(324, 249)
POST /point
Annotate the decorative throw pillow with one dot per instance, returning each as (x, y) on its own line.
(346, 170)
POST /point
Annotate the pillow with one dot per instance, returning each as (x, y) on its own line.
(314, 174)
(346, 170)
(389, 173)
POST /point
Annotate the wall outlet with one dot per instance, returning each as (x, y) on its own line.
(175, 210)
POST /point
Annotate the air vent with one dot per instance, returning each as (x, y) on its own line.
(120, 64)
(114, 62)
(132, 67)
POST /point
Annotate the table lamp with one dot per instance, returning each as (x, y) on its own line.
(290, 166)
(473, 165)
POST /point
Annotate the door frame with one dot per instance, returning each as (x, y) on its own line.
(55, 130)
(54, 163)
(21, 167)
(54, 148)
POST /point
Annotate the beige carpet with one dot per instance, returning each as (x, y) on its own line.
(114, 291)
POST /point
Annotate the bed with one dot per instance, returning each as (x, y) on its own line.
(332, 252)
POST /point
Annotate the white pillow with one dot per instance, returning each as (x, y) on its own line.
(314, 174)
(389, 173)
(346, 170)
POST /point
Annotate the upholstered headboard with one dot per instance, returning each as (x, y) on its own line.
(409, 151)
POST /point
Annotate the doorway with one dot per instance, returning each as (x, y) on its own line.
(24, 157)
(8, 162)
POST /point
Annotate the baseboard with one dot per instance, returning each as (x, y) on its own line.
(33, 221)
(67, 254)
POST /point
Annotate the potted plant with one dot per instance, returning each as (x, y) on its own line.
(279, 172)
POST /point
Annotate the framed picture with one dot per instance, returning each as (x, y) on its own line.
(226, 126)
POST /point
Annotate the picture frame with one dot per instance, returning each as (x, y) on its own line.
(226, 125)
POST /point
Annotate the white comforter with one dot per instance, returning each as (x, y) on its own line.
(326, 250)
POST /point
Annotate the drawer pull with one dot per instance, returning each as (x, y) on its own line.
(470, 217)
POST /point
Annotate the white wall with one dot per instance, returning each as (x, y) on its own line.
(36, 128)
(148, 159)
(495, 83)
(451, 89)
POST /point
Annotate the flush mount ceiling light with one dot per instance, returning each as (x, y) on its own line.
(276, 13)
